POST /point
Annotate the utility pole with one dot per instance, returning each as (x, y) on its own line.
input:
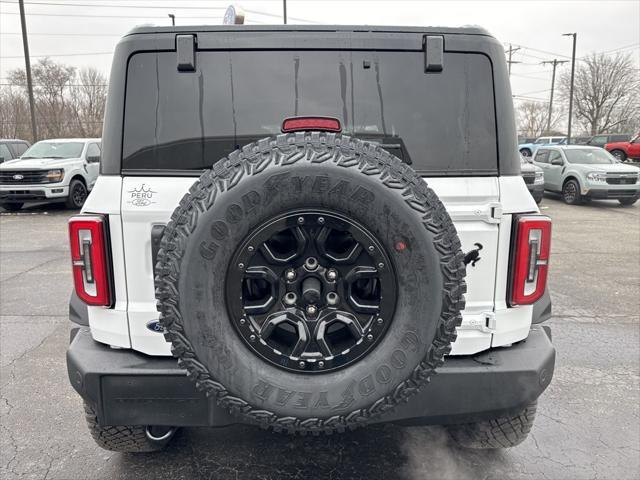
(511, 51)
(284, 6)
(555, 63)
(27, 64)
(573, 71)
(173, 19)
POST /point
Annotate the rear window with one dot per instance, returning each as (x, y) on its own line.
(441, 123)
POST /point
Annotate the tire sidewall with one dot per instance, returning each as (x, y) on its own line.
(277, 190)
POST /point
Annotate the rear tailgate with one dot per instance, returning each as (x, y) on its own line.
(473, 204)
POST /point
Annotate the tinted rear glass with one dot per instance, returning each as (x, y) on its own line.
(441, 123)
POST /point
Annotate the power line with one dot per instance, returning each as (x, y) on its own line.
(535, 91)
(102, 5)
(142, 15)
(528, 76)
(67, 34)
(60, 55)
(65, 85)
(188, 7)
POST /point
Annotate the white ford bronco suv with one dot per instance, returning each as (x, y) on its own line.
(309, 230)
(56, 170)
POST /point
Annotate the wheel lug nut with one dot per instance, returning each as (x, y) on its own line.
(290, 298)
(311, 310)
(320, 220)
(332, 275)
(332, 298)
(371, 248)
(290, 275)
(252, 338)
(300, 220)
(311, 263)
(380, 321)
(321, 364)
(370, 337)
(241, 266)
(242, 321)
(250, 248)
(381, 265)
(302, 364)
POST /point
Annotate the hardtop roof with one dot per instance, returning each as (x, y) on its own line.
(154, 29)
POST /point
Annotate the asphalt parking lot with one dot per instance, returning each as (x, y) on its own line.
(588, 423)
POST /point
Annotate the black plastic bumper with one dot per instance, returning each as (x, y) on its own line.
(128, 388)
(536, 191)
(613, 194)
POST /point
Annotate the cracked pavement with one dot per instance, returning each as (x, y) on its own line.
(588, 423)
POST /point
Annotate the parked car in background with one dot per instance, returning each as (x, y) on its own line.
(629, 150)
(62, 170)
(533, 178)
(528, 149)
(522, 139)
(603, 139)
(12, 148)
(580, 140)
(581, 172)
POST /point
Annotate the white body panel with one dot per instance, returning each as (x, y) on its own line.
(480, 207)
(111, 325)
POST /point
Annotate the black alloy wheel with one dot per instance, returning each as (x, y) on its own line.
(77, 194)
(311, 291)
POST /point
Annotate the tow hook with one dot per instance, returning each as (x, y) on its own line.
(473, 256)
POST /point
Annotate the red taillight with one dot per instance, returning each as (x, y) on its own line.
(324, 124)
(530, 260)
(89, 259)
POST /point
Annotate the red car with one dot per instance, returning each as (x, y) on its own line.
(625, 150)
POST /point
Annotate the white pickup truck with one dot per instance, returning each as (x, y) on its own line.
(57, 170)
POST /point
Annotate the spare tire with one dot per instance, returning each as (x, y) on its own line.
(310, 282)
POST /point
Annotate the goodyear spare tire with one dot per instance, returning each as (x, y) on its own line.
(310, 282)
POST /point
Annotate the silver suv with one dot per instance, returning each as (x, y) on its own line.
(582, 173)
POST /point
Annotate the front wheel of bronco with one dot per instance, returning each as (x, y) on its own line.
(127, 438)
(500, 432)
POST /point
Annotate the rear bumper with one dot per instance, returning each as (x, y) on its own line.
(128, 388)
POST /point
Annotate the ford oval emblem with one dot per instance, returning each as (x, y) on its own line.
(154, 326)
(18, 177)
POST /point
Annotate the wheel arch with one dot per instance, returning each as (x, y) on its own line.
(78, 176)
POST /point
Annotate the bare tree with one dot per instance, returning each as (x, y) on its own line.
(68, 103)
(532, 118)
(14, 114)
(88, 102)
(606, 93)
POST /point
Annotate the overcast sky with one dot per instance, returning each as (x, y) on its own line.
(93, 26)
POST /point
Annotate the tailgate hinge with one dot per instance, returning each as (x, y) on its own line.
(485, 322)
(490, 212)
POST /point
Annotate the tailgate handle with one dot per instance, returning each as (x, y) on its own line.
(433, 53)
(186, 52)
(156, 237)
